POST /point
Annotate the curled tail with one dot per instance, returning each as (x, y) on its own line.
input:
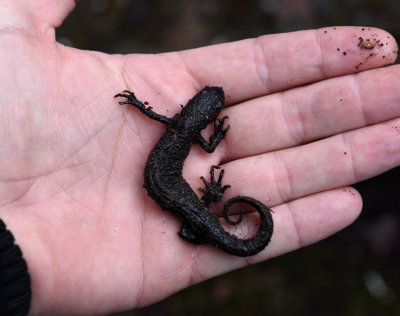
(255, 244)
(216, 235)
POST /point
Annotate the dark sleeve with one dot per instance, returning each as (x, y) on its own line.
(15, 288)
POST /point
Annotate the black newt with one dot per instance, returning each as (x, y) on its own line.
(165, 184)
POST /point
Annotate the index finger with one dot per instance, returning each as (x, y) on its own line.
(271, 63)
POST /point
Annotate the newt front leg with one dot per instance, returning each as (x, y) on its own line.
(219, 134)
(132, 100)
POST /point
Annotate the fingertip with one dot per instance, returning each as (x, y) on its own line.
(356, 48)
(321, 215)
(379, 43)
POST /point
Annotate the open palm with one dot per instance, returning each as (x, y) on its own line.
(71, 168)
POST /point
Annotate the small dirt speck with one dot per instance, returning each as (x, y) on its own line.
(358, 65)
(365, 43)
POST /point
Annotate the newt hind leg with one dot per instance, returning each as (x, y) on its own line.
(214, 190)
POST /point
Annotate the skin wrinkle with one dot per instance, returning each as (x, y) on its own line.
(357, 90)
(73, 165)
(297, 134)
(28, 29)
(35, 179)
(142, 255)
(126, 126)
(91, 137)
(125, 71)
(192, 280)
(319, 55)
(85, 129)
(283, 169)
(11, 30)
(247, 261)
(223, 150)
(21, 29)
(300, 131)
(109, 67)
(145, 84)
(112, 167)
(58, 169)
(74, 199)
(116, 150)
(141, 288)
(47, 31)
(251, 260)
(345, 140)
(294, 224)
(139, 138)
(96, 96)
(21, 179)
(263, 71)
(139, 79)
(102, 211)
(66, 189)
(79, 148)
(23, 194)
(187, 70)
(132, 128)
(173, 58)
(118, 144)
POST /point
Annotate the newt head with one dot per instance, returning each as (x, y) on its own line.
(204, 108)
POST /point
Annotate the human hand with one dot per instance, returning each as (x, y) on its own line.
(304, 126)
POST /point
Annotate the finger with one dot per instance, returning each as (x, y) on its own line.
(271, 63)
(305, 114)
(34, 17)
(337, 161)
(296, 224)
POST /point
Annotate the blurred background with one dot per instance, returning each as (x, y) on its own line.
(356, 271)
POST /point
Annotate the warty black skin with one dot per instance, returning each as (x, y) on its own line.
(165, 184)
